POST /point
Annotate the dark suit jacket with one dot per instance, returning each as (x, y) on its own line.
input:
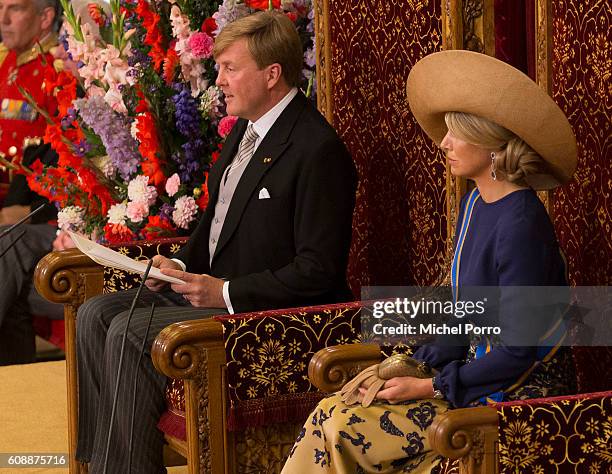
(291, 249)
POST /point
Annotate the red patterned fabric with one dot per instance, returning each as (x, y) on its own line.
(580, 79)
(561, 434)
(399, 226)
(267, 360)
(511, 32)
(116, 280)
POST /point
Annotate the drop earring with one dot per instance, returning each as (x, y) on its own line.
(493, 175)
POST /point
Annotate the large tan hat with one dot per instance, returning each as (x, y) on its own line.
(464, 81)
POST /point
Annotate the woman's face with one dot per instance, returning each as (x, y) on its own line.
(464, 159)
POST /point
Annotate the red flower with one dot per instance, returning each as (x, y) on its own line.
(292, 16)
(202, 201)
(149, 145)
(172, 60)
(96, 13)
(209, 26)
(157, 228)
(153, 38)
(117, 233)
(262, 4)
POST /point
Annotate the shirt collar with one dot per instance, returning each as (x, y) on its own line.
(263, 125)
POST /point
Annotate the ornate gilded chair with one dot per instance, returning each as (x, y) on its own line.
(69, 278)
(559, 434)
(239, 389)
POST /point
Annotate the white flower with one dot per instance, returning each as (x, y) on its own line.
(138, 190)
(134, 128)
(185, 210)
(210, 102)
(117, 213)
(71, 218)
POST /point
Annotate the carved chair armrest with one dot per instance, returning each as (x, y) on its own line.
(332, 367)
(467, 433)
(68, 277)
(177, 350)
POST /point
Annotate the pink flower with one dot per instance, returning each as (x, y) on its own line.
(137, 211)
(172, 185)
(226, 124)
(185, 210)
(201, 45)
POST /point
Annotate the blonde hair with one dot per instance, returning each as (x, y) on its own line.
(271, 38)
(514, 159)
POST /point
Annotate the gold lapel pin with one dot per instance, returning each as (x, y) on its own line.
(267, 160)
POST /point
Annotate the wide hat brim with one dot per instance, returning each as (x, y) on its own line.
(464, 81)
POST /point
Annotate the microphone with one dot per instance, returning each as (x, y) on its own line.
(9, 246)
(119, 369)
(21, 221)
(142, 349)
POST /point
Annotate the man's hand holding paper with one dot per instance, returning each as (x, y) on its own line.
(161, 262)
(202, 291)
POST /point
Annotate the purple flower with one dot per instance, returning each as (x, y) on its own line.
(68, 118)
(114, 131)
(189, 124)
(82, 148)
(165, 211)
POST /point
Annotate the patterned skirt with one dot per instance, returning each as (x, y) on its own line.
(382, 438)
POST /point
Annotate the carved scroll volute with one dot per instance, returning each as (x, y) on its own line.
(468, 434)
(177, 350)
(61, 277)
(332, 367)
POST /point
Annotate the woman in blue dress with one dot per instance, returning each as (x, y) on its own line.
(504, 133)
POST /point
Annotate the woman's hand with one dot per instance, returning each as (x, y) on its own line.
(400, 389)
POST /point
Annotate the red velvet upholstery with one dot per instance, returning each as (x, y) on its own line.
(399, 227)
(561, 434)
(267, 357)
(580, 83)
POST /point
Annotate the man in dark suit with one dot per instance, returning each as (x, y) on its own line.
(276, 234)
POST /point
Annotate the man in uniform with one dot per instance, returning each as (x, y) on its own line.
(27, 33)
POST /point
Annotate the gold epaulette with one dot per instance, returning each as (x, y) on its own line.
(42, 47)
(3, 53)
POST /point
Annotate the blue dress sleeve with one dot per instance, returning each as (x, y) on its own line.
(526, 253)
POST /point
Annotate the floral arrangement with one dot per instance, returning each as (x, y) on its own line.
(135, 149)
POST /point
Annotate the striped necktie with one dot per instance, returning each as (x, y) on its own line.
(245, 150)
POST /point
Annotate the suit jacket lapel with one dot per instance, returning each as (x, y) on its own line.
(268, 152)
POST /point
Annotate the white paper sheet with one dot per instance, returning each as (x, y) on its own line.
(110, 258)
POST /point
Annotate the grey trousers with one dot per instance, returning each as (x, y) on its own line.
(100, 326)
(16, 270)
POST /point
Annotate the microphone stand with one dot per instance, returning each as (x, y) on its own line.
(10, 229)
(119, 369)
(142, 349)
(9, 246)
